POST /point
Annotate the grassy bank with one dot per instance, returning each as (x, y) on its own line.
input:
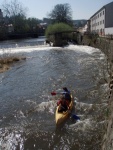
(6, 62)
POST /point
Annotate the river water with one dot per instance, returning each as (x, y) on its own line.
(27, 109)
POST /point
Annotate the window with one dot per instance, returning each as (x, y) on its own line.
(103, 12)
(103, 21)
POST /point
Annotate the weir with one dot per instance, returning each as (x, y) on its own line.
(62, 38)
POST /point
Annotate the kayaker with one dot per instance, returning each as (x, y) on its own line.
(66, 90)
(66, 94)
(63, 104)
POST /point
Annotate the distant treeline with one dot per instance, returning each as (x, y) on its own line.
(22, 35)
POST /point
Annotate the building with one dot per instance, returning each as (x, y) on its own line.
(102, 21)
(83, 29)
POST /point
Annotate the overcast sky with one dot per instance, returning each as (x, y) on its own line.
(81, 9)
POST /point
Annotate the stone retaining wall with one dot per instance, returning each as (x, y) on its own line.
(105, 46)
(107, 143)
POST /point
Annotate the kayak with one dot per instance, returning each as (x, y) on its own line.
(60, 117)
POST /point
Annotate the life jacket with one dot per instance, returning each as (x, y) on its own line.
(67, 96)
(64, 103)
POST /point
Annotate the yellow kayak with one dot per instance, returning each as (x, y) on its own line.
(60, 117)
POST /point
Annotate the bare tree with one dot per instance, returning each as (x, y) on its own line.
(61, 13)
(13, 8)
(15, 14)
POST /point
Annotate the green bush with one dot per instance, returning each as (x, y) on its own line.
(58, 27)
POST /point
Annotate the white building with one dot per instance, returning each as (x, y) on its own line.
(102, 21)
(85, 28)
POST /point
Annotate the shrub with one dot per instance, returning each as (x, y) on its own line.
(57, 28)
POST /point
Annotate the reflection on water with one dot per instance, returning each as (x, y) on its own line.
(22, 43)
(27, 109)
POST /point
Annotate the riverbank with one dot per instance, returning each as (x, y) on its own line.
(106, 46)
(6, 62)
(108, 137)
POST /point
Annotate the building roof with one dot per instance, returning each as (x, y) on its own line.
(101, 9)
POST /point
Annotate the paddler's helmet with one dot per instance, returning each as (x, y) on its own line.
(65, 89)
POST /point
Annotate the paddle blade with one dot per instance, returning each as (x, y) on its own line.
(75, 117)
(53, 93)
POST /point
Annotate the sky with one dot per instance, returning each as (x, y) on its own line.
(81, 9)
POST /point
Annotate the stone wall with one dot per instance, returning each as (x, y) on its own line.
(106, 46)
(107, 143)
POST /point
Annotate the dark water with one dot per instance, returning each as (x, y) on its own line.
(27, 120)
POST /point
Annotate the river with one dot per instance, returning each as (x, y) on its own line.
(27, 109)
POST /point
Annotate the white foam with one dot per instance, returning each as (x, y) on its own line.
(26, 49)
(50, 106)
(85, 49)
(77, 48)
(82, 125)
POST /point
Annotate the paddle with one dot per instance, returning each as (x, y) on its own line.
(53, 93)
(75, 117)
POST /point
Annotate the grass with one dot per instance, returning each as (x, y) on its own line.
(5, 62)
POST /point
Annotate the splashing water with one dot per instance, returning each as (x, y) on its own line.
(27, 109)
